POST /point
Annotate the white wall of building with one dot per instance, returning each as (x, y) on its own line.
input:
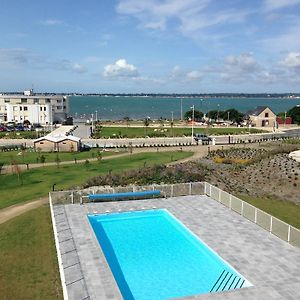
(34, 113)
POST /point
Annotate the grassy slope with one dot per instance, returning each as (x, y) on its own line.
(38, 182)
(28, 260)
(31, 157)
(141, 132)
(284, 210)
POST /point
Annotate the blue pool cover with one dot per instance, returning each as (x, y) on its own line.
(152, 255)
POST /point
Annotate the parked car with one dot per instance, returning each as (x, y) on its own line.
(2, 128)
(202, 137)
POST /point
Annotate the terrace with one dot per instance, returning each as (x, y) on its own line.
(270, 262)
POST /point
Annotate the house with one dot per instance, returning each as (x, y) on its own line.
(262, 116)
(32, 107)
(59, 143)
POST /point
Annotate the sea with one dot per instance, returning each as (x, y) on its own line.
(139, 108)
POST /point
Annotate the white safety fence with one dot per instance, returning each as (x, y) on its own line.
(279, 228)
(167, 190)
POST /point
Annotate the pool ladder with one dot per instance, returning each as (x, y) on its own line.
(227, 281)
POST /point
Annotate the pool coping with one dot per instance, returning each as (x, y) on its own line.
(93, 263)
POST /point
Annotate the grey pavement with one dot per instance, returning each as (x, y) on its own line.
(269, 263)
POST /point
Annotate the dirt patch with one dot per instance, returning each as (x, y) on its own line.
(267, 172)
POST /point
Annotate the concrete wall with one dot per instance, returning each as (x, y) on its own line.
(45, 146)
(68, 146)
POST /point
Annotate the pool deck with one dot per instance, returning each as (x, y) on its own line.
(270, 264)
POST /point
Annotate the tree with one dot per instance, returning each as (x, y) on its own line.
(146, 124)
(233, 115)
(127, 120)
(42, 159)
(213, 114)
(57, 160)
(198, 115)
(294, 113)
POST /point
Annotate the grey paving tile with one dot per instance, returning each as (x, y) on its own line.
(270, 264)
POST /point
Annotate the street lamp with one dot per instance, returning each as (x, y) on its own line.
(92, 123)
(193, 117)
(218, 112)
(284, 118)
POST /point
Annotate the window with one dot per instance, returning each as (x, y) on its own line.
(25, 108)
(58, 107)
(15, 108)
(21, 108)
(6, 101)
(48, 100)
(45, 108)
(41, 143)
(41, 109)
(35, 100)
(266, 115)
(23, 100)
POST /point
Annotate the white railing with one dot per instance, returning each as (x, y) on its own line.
(277, 227)
(168, 190)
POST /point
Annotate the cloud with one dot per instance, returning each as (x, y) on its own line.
(288, 40)
(292, 60)
(120, 69)
(51, 22)
(240, 68)
(183, 76)
(67, 65)
(78, 68)
(15, 57)
(279, 4)
(189, 16)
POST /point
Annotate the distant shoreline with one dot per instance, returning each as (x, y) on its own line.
(173, 95)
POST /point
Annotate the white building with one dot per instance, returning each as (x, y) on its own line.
(36, 108)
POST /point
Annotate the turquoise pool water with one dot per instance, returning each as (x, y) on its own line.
(152, 255)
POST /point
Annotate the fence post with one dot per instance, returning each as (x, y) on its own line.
(172, 189)
(289, 234)
(242, 213)
(205, 192)
(271, 224)
(230, 199)
(72, 197)
(209, 190)
(255, 216)
(219, 195)
(190, 188)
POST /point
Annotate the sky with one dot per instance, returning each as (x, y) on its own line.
(151, 46)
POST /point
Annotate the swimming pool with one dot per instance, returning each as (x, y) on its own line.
(152, 255)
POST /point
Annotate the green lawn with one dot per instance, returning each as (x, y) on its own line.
(38, 182)
(29, 268)
(28, 157)
(132, 132)
(283, 210)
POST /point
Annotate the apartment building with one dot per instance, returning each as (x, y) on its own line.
(36, 108)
